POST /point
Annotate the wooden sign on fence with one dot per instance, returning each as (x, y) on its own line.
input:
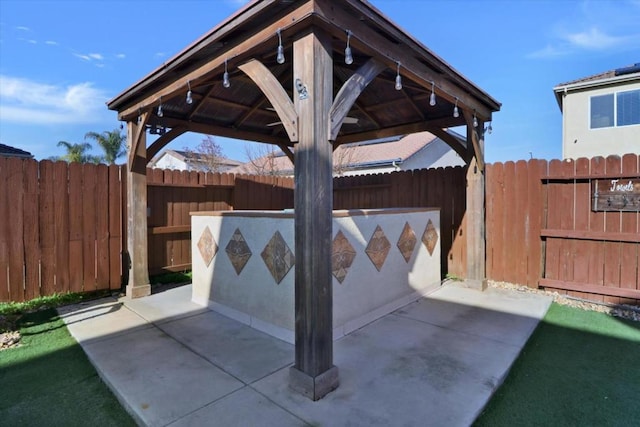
(619, 194)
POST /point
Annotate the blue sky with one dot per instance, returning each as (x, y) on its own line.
(60, 61)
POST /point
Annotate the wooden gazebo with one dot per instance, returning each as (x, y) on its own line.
(290, 73)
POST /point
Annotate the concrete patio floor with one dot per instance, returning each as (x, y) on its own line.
(434, 362)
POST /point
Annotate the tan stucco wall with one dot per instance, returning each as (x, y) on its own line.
(579, 140)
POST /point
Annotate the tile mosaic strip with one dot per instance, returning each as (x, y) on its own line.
(238, 251)
(407, 242)
(207, 246)
(378, 248)
(342, 256)
(430, 237)
(278, 257)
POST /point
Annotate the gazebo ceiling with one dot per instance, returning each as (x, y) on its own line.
(243, 111)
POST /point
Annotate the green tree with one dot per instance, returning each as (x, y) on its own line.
(111, 142)
(77, 153)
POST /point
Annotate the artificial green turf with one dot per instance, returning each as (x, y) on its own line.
(579, 368)
(49, 381)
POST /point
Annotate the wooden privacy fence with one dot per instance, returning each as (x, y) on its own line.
(173, 194)
(542, 230)
(61, 228)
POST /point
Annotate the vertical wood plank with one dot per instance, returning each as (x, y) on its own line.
(536, 209)
(61, 218)
(509, 207)
(596, 223)
(115, 228)
(520, 241)
(581, 249)
(46, 219)
(76, 258)
(31, 231)
(89, 227)
(612, 250)
(102, 227)
(630, 263)
(4, 231)
(553, 246)
(15, 218)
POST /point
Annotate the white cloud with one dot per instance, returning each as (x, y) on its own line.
(121, 55)
(23, 28)
(83, 57)
(51, 43)
(594, 39)
(96, 56)
(160, 54)
(26, 101)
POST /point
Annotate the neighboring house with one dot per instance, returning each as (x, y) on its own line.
(416, 151)
(601, 114)
(182, 160)
(8, 151)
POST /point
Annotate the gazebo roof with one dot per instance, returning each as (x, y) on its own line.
(242, 111)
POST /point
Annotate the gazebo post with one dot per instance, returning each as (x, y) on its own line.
(138, 285)
(475, 216)
(313, 374)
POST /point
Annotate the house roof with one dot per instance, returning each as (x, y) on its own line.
(8, 151)
(193, 157)
(353, 156)
(623, 74)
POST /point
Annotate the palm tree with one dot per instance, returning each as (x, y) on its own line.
(111, 143)
(77, 152)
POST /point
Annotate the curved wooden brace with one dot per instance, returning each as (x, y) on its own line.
(276, 95)
(477, 148)
(453, 142)
(138, 133)
(349, 92)
(159, 143)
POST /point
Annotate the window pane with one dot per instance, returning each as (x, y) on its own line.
(601, 111)
(629, 108)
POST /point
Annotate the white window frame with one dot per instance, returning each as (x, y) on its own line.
(615, 110)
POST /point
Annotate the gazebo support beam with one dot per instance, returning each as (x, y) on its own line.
(138, 285)
(313, 374)
(475, 215)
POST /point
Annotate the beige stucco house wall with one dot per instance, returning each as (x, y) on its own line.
(582, 136)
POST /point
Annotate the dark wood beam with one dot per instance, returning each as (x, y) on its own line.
(478, 151)
(135, 136)
(276, 95)
(349, 92)
(287, 151)
(220, 130)
(313, 373)
(453, 142)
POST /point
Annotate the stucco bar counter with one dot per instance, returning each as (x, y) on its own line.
(243, 265)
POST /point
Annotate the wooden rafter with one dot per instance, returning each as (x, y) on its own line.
(452, 141)
(477, 149)
(134, 144)
(287, 151)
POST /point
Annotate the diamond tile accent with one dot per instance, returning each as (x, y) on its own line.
(238, 251)
(430, 237)
(378, 248)
(342, 256)
(207, 246)
(407, 242)
(278, 257)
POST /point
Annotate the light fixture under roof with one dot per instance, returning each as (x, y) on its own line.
(398, 78)
(225, 77)
(432, 97)
(189, 99)
(280, 53)
(456, 112)
(348, 56)
(160, 112)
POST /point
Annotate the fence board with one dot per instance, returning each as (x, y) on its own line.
(115, 227)
(47, 230)
(61, 218)
(629, 274)
(4, 232)
(76, 261)
(536, 210)
(553, 247)
(89, 226)
(520, 227)
(596, 223)
(15, 218)
(102, 227)
(582, 249)
(31, 232)
(612, 254)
